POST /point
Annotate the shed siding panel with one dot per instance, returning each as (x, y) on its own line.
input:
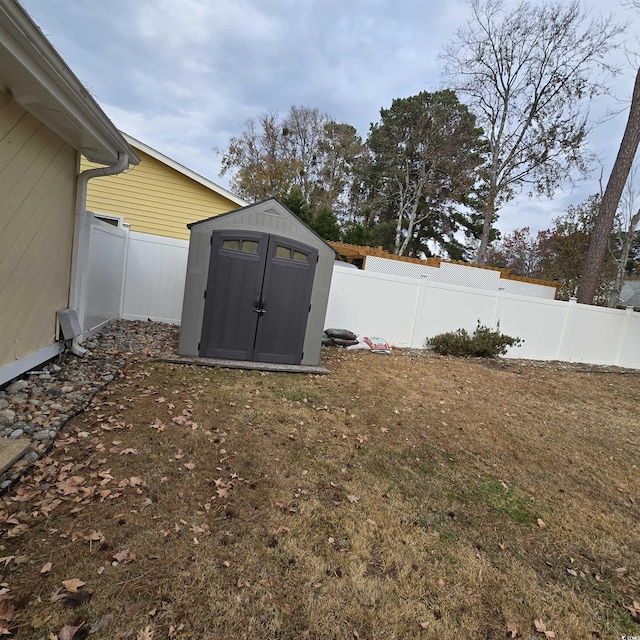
(37, 188)
(154, 198)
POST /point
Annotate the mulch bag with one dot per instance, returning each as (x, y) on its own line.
(341, 334)
(334, 341)
(377, 345)
(327, 341)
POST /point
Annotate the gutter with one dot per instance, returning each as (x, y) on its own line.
(81, 244)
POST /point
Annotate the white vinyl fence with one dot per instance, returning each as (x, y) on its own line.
(155, 277)
(407, 311)
(102, 275)
(404, 311)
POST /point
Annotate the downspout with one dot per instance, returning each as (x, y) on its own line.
(80, 251)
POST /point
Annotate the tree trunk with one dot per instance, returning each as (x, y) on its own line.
(604, 222)
(489, 214)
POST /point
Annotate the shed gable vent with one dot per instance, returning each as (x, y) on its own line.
(272, 211)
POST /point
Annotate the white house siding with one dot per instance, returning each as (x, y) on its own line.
(37, 191)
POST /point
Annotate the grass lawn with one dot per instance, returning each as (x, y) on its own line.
(400, 496)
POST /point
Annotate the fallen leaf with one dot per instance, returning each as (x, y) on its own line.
(189, 465)
(124, 556)
(46, 568)
(541, 523)
(94, 536)
(424, 625)
(621, 571)
(6, 611)
(68, 632)
(635, 610)
(59, 594)
(103, 623)
(72, 585)
(130, 451)
(572, 572)
(541, 627)
(130, 609)
(352, 498)
(512, 629)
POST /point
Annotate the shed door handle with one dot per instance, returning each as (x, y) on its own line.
(258, 306)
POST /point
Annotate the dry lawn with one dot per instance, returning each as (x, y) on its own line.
(400, 496)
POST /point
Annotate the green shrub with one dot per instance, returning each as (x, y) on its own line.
(484, 343)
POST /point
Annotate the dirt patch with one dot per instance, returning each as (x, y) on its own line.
(398, 497)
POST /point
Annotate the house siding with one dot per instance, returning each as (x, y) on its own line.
(154, 198)
(37, 192)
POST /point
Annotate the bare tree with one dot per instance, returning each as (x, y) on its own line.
(626, 221)
(303, 149)
(526, 72)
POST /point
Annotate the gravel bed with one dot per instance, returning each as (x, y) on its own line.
(38, 404)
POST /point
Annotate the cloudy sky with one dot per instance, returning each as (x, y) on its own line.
(183, 75)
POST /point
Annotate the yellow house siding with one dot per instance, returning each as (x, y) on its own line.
(37, 192)
(155, 198)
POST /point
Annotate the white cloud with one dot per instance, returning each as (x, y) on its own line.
(184, 75)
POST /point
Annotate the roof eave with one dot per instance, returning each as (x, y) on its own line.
(34, 75)
(150, 151)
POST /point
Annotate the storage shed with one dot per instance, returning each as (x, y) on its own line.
(257, 287)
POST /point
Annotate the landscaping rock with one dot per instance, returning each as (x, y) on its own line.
(37, 407)
(16, 386)
(7, 416)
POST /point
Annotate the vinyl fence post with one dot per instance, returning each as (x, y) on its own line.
(570, 307)
(623, 335)
(125, 261)
(498, 311)
(417, 316)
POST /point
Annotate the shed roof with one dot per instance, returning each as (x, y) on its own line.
(34, 75)
(269, 206)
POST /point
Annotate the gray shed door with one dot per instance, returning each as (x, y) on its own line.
(258, 293)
